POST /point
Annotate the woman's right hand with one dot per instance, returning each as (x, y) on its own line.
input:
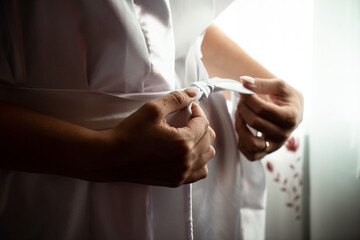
(145, 149)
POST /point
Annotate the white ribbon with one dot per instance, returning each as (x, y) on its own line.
(220, 84)
(99, 110)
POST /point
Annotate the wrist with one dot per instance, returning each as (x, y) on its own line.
(104, 160)
(93, 152)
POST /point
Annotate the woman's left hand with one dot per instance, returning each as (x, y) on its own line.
(275, 111)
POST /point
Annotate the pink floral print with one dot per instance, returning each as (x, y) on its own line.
(290, 185)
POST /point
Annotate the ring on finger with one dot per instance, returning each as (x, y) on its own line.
(267, 146)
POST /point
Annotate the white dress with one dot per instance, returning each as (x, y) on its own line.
(93, 63)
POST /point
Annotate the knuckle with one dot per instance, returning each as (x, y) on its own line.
(281, 137)
(212, 133)
(263, 111)
(179, 179)
(184, 147)
(152, 108)
(255, 123)
(178, 97)
(252, 149)
(291, 121)
(212, 151)
(252, 146)
(204, 172)
(187, 136)
(207, 123)
(248, 150)
(250, 156)
(186, 165)
(281, 85)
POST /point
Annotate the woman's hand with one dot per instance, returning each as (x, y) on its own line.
(145, 149)
(142, 149)
(275, 112)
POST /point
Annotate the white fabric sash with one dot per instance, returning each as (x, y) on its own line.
(99, 110)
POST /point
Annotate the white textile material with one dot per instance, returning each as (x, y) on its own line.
(93, 63)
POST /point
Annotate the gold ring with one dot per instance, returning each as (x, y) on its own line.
(267, 146)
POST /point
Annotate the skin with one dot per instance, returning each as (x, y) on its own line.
(275, 111)
(148, 152)
(151, 151)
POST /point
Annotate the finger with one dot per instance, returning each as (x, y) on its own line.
(272, 146)
(198, 175)
(272, 86)
(173, 101)
(283, 116)
(270, 130)
(192, 173)
(197, 125)
(251, 146)
(204, 142)
(203, 152)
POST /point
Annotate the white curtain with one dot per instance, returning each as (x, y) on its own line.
(334, 128)
(315, 46)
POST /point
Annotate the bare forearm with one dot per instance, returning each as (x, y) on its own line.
(143, 148)
(38, 143)
(224, 58)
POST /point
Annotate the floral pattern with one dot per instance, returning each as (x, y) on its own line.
(292, 144)
(290, 183)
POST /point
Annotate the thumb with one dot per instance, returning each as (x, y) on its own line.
(176, 100)
(273, 86)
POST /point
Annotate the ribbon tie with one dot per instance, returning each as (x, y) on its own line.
(180, 118)
(219, 84)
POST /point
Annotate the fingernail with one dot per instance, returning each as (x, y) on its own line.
(248, 79)
(192, 92)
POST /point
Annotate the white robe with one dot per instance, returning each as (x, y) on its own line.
(86, 62)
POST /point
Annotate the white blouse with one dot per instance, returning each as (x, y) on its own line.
(93, 63)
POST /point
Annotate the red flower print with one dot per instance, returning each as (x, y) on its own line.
(290, 181)
(289, 204)
(277, 178)
(292, 144)
(269, 166)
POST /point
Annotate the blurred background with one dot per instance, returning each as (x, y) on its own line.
(313, 181)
